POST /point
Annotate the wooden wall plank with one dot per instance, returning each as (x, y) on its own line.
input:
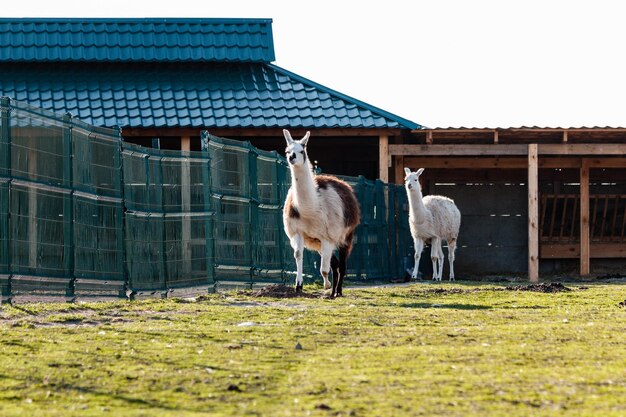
(399, 164)
(572, 250)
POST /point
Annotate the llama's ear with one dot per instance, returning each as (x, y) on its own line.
(288, 136)
(305, 139)
(419, 171)
(407, 171)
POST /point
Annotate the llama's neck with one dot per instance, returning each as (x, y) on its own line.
(304, 190)
(416, 204)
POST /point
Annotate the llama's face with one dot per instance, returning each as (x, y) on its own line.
(296, 149)
(412, 179)
(296, 153)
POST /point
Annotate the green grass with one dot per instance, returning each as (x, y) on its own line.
(465, 350)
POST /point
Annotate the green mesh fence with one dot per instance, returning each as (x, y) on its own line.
(169, 220)
(84, 215)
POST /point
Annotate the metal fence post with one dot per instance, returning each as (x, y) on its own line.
(120, 223)
(363, 230)
(208, 223)
(5, 136)
(381, 230)
(392, 231)
(5, 221)
(68, 209)
(280, 183)
(253, 193)
(158, 201)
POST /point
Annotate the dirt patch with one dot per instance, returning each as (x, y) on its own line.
(441, 291)
(611, 276)
(281, 291)
(550, 287)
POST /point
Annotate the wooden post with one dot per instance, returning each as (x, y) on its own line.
(185, 199)
(383, 158)
(533, 213)
(398, 169)
(584, 217)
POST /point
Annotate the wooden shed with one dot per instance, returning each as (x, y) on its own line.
(561, 192)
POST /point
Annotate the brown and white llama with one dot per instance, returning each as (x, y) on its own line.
(432, 218)
(320, 214)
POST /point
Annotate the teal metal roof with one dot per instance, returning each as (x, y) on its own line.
(224, 95)
(232, 40)
(147, 73)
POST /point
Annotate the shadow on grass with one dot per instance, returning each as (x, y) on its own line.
(452, 306)
(69, 389)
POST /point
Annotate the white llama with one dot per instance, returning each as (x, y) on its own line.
(320, 213)
(432, 218)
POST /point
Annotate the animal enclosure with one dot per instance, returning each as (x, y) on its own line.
(533, 200)
(85, 215)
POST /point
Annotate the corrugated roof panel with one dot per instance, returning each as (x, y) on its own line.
(136, 40)
(189, 95)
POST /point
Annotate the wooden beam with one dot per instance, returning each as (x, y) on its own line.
(606, 162)
(469, 163)
(533, 213)
(584, 218)
(617, 149)
(429, 137)
(525, 130)
(383, 158)
(458, 150)
(565, 136)
(510, 162)
(564, 149)
(572, 250)
(495, 137)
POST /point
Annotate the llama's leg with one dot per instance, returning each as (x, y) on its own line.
(451, 250)
(343, 267)
(297, 243)
(441, 259)
(435, 249)
(326, 253)
(334, 267)
(418, 244)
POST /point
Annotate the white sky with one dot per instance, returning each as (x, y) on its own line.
(439, 63)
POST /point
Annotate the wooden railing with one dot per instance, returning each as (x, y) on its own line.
(560, 225)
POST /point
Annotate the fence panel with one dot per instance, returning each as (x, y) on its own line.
(231, 179)
(271, 189)
(168, 247)
(98, 246)
(39, 249)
